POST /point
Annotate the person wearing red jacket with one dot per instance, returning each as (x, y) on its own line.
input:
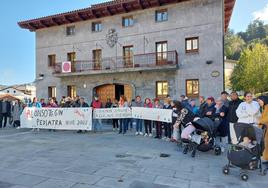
(97, 125)
(148, 123)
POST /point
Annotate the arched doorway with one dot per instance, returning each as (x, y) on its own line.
(113, 91)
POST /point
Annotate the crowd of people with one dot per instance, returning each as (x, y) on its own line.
(227, 110)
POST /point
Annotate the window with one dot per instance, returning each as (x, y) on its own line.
(71, 91)
(51, 91)
(97, 57)
(70, 30)
(161, 52)
(161, 15)
(51, 60)
(128, 56)
(192, 44)
(192, 88)
(71, 57)
(127, 21)
(96, 27)
(161, 89)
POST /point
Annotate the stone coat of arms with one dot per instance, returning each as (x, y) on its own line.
(111, 37)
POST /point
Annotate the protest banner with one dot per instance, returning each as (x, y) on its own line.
(57, 118)
(154, 114)
(112, 113)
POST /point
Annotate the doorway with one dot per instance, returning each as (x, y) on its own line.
(119, 90)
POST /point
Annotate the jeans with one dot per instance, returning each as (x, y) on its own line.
(97, 124)
(115, 123)
(168, 129)
(123, 126)
(148, 126)
(158, 126)
(138, 125)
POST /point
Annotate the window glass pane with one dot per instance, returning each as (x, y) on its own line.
(188, 44)
(195, 87)
(165, 88)
(159, 88)
(195, 44)
(189, 88)
(165, 15)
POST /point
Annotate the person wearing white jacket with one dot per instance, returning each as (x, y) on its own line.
(248, 111)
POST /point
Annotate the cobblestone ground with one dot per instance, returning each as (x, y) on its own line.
(67, 159)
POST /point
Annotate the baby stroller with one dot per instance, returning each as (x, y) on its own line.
(203, 138)
(246, 154)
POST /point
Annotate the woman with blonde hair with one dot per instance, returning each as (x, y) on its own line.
(123, 122)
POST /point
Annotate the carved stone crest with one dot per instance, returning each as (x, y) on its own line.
(111, 37)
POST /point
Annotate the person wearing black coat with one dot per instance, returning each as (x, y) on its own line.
(231, 115)
(209, 109)
(202, 106)
(82, 104)
(6, 112)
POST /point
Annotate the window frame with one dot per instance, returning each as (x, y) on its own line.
(93, 26)
(72, 90)
(191, 50)
(161, 11)
(192, 95)
(156, 89)
(129, 25)
(70, 30)
(52, 90)
(51, 57)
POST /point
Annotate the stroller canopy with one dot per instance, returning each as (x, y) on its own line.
(205, 124)
(248, 130)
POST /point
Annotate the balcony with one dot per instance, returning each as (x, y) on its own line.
(142, 62)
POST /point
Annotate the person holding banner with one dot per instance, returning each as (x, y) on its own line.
(167, 126)
(82, 104)
(138, 103)
(123, 122)
(158, 124)
(115, 121)
(96, 122)
(148, 123)
(35, 104)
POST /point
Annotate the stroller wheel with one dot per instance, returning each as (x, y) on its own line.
(217, 150)
(244, 176)
(226, 170)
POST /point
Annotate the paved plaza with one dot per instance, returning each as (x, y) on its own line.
(67, 159)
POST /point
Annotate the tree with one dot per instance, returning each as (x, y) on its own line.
(233, 45)
(255, 30)
(251, 72)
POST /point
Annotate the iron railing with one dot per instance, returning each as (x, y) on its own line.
(152, 60)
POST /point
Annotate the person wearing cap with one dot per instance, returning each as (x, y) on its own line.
(263, 123)
(210, 109)
(95, 105)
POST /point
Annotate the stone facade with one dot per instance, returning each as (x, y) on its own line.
(196, 18)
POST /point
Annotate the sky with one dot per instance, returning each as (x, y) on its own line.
(17, 47)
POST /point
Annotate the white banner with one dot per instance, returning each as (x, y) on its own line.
(112, 113)
(57, 118)
(154, 114)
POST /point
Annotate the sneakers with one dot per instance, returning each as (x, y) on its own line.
(145, 134)
(141, 133)
(137, 133)
(18, 128)
(150, 135)
(164, 138)
(167, 139)
(222, 149)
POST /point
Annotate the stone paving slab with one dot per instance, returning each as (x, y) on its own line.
(67, 159)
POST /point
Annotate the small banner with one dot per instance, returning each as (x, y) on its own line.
(112, 113)
(154, 114)
(57, 118)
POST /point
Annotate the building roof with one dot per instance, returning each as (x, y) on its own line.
(8, 97)
(108, 9)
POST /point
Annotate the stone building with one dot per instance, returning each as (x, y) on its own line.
(151, 48)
